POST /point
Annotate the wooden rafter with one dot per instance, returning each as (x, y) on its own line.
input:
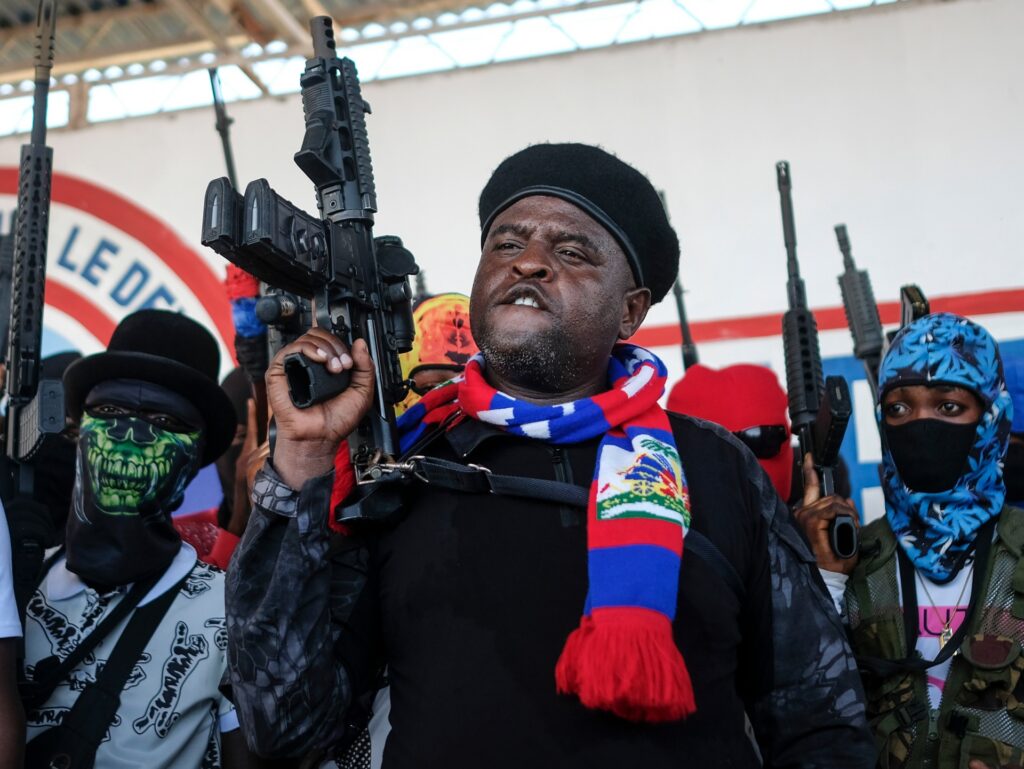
(198, 21)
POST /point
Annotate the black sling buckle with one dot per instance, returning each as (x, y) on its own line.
(475, 479)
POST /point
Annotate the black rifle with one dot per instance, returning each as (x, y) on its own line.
(861, 312)
(689, 348)
(223, 125)
(913, 305)
(420, 292)
(690, 356)
(819, 410)
(358, 289)
(6, 274)
(35, 408)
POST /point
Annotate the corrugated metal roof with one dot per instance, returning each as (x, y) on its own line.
(91, 31)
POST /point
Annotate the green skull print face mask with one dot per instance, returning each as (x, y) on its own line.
(131, 475)
(135, 467)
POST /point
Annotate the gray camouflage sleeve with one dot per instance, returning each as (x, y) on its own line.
(813, 715)
(287, 597)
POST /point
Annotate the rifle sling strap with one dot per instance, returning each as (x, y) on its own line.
(911, 626)
(49, 672)
(474, 479)
(82, 730)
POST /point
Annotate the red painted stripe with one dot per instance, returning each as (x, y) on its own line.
(62, 298)
(154, 234)
(829, 319)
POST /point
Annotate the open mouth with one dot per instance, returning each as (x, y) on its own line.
(525, 296)
(526, 301)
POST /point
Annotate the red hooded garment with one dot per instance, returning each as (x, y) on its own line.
(738, 397)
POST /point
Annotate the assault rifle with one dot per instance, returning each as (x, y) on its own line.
(689, 348)
(861, 312)
(35, 408)
(6, 274)
(223, 125)
(690, 356)
(357, 289)
(819, 410)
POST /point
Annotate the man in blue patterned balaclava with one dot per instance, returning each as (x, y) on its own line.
(942, 465)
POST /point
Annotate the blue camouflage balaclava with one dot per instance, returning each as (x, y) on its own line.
(936, 528)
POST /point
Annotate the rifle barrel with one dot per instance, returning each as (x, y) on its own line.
(44, 63)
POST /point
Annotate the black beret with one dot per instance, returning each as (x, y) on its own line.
(613, 193)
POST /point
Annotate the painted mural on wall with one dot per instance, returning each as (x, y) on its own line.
(109, 256)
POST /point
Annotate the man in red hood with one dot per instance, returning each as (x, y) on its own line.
(748, 402)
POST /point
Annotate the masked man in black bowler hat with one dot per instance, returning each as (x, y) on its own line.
(125, 639)
(664, 614)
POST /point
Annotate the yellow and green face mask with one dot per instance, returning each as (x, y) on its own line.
(131, 475)
(134, 466)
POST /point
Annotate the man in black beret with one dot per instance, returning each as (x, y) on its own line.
(124, 641)
(705, 639)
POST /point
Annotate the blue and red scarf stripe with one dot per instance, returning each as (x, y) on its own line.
(623, 657)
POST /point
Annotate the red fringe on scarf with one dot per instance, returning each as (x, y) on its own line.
(625, 660)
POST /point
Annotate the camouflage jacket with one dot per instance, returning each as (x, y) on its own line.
(981, 713)
(468, 599)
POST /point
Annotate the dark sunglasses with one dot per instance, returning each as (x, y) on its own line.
(764, 440)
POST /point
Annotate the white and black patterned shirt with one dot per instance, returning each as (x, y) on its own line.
(172, 713)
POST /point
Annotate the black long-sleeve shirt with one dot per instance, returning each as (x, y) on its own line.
(469, 599)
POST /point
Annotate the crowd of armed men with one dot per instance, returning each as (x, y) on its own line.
(539, 564)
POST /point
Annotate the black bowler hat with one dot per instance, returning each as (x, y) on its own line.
(167, 349)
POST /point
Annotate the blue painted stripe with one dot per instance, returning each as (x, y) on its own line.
(634, 575)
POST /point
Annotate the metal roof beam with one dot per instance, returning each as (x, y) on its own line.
(287, 25)
(126, 56)
(197, 20)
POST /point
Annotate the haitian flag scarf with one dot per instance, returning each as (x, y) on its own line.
(623, 657)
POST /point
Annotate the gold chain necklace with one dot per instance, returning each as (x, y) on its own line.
(947, 633)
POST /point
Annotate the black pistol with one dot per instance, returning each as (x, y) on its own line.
(358, 289)
(818, 410)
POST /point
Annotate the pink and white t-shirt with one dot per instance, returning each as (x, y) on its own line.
(950, 605)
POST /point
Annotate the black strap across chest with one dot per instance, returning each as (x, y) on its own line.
(476, 479)
(50, 671)
(73, 743)
(911, 622)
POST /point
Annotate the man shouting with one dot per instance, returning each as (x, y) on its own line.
(670, 619)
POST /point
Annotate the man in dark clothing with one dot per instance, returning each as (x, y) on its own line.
(731, 657)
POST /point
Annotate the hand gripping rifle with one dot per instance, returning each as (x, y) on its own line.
(818, 410)
(861, 312)
(358, 289)
(35, 408)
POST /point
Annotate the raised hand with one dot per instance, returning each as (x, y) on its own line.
(307, 439)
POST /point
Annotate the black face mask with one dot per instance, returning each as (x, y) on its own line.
(930, 454)
(1013, 472)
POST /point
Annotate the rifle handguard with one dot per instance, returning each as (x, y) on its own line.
(310, 383)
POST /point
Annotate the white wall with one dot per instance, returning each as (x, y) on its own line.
(904, 121)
